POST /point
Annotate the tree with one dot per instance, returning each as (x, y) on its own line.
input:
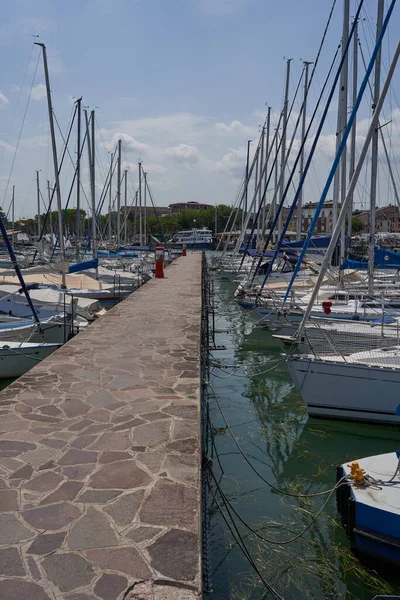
(356, 225)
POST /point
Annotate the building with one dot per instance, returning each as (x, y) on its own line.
(178, 207)
(387, 219)
(324, 223)
(160, 211)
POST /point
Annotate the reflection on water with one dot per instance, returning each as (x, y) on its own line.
(294, 453)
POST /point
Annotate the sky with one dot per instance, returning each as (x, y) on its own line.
(184, 83)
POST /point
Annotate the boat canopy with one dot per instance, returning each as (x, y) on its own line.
(83, 266)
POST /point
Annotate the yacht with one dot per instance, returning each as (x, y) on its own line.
(194, 238)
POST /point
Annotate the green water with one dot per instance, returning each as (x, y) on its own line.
(294, 453)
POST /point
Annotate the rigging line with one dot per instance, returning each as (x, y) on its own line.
(17, 106)
(241, 544)
(271, 485)
(69, 154)
(341, 482)
(21, 128)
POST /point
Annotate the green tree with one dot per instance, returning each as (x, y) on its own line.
(356, 225)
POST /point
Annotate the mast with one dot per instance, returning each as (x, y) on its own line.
(110, 200)
(140, 204)
(259, 224)
(126, 206)
(49, 201)
(119, 195)
(275, 181)
(38, 203)
(266, 166)
(55, 162)
(283, 142)
(145, 208)
(354, 128)
(13, 214)
(255, 185)
(303, 136)
(344, 90)
(374, 155)
(78, 181)
(244, 214)
(93, 192)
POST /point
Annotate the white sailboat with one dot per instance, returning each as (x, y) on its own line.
(17, 358)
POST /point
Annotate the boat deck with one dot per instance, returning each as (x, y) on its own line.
(99, 456)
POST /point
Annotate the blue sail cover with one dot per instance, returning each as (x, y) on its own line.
(321, 241)
(383, 259)
(82, 266)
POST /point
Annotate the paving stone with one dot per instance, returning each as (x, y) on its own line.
(182, 467)
(77, 457)
(80, 596)
(98, 496)
(170, 503)
(78, 472)
(83, 441)
(120, 475)
(22, 473)
(66, 491)
(44, 482)
(68, 571)
(100, 399)
(92, 530)
(8, 501)
(188, 446)
(183, 411)
(12, 531)
(143, 533)
(53, 443)
(18, 589)
(110, 586)
(8, 448)
(117, 441)
(33, 568)
(124, 510)
(108, 457)
(154, 461)
(123, 560)
(74, 408)
(176, 555)
(46, 543)
(11, 564)
(51, 517)
(152, 434)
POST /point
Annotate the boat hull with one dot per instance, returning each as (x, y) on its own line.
(14, 362)
(351, 392)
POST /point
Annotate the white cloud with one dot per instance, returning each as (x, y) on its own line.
(38, 92)
(129, 143)
(183, 154)
(15, 88)
(235, 127)
(4, 101)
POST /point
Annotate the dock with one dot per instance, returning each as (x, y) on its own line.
(100, 456)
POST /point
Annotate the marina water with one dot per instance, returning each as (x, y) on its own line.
(295, 454)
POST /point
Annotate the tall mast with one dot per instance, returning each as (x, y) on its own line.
(145, 208)
(13, 214)
(55, 162)
(303, 137)
(344, 94)
(283, 142)
(140, 204)
(49, 201)
(257, 158)
(110, 200)
(93, 191)
(119, 195)
(266, 165)
(244, 214)
(275, 182)
(78, 180)
(259, 224)
(354, 128)
(126, 206)
(374, 154)
(38, 203)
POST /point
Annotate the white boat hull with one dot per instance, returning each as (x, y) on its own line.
(16, 360)
(351, 392)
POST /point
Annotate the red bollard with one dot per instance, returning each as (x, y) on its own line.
(159, 256)
(184, 250)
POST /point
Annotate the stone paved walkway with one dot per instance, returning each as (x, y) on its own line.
(99, 456)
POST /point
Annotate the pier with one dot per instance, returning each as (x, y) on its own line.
(100, 456)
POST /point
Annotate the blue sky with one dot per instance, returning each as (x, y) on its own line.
(184, 81)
